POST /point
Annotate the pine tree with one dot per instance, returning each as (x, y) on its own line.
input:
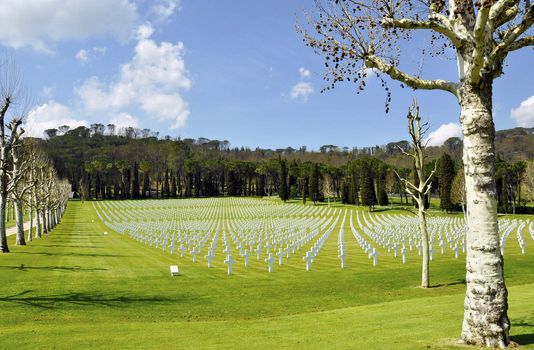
(446, 177)
(381, 181)
(345, 192)
(174, 190)
(305, 186)
(283, 190)
(135, 185)
(314, 183)
(367, 188)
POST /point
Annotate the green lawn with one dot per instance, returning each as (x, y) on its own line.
(81, 289)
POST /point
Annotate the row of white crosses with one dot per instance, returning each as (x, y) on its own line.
(316, 248)
(272, 232)
(342, 252)
(399, 234)
(364, 244)
(195, 250)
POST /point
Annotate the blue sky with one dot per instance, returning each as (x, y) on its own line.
(233, 69)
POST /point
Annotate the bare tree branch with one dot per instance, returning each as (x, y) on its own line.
(407, 23)
(479, 35)
(499, 52)
(372, 61)
(521, 43)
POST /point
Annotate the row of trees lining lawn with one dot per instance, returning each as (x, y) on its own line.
(103, 165)
(28, 180)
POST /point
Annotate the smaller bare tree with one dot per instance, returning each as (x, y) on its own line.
(422, 188)
(14, 105)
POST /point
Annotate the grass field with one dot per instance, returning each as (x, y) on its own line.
(81, 289)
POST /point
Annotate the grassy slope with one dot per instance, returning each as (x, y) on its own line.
(80, 288)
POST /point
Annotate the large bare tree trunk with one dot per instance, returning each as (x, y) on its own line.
(425, 273)
(38, 225)
(20, 222)
(30, 229)
(3, 237)
(44, 224)
(485, 308)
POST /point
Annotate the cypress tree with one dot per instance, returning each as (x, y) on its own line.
(381, 181)
(173, 185)
(260, 185)
(446, 177)
(354, 188)
(304, 190)
(165, 188)
(367, 188)
(135, 185)
(345, 193)
(314, 183)
(383, 196)
(283, 190)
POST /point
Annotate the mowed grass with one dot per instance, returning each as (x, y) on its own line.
(81, 289)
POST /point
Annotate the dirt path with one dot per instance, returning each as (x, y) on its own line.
(13, 230)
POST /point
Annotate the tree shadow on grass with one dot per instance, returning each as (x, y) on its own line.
(523, 339)
(462, 281)
(23, 267)
(71, 246)
(77, 254)
(55, 301)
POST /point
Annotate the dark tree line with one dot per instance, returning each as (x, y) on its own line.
(113, 165)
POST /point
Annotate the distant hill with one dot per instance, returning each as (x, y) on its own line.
(515, 144)
(512, 145)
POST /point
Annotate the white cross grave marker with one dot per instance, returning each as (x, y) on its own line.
(269, 261)
(309, 259)
(229, 261)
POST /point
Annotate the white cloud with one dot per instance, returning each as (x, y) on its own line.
(84, 55)
(145, 31)
(100, 50)
(152, 80)
(302, 90)
(304, 73)
(443, 133)
(38, 23)
(125, 120)
(524, 114)
(49, 116)
(163, 9)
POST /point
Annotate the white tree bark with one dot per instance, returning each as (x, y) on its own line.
(30, 229)
(19, 216)
(355, 36)
(485, 308)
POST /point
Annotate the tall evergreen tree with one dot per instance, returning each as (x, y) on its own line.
(174, 189)
(345, 192)
(314, 183)
(381, 182)
(367, 188)
(135, 185)
(283, 190)
(305, 186)
(446, 176)
(144, 167)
